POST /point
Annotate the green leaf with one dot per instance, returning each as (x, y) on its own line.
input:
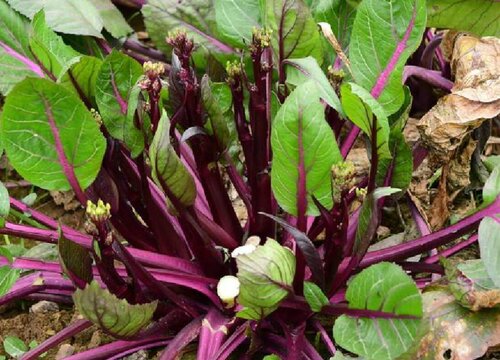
(4, 251)
(381, 287)
(339, 14)
(75, 261)
(455, 330)
(384, 35)
(115, 316)
(471, 285)
(271, 357)
(294, 28)
(13, 71)
(116, 79)
(218, 123)
(13, 30)
(167, 169)
(8, 277)
(481, 17)
(4, 204)
(236, 20)
(315, 297)
(43, 251)
(266, 277)
(360, 107)
(50, 49)
(14, 346)
(84, 75)
(304, 149)
(26, 7)
(369, 219)
(492, 161)
(491, 188)
(113, 20)
(401, 162)
(489, 247)
(196, 17)
(300, 70)
(38, 115)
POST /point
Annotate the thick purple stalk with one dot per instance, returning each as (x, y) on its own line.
(130, 44)
(421, 224)
(349, 141)
(451, 250)
(68, 169)
(30, 64)
(310, 351)
(70, 331)
(429, 51)
(122, 355)
(214, 329)
(419, 267)
(324, 336)
(182, 339)
(223, 48)
(430, 76)
(233, 342)
(433, 240)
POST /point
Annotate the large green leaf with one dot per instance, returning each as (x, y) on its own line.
(454, 330)
(300, 70)
(44, 125)
(236, 20)
(304, 149)
(78, 17)
(50, 49)
(84, 75)
(196, 17)
(116, 78)
(489, 246)
(112, 18)
(266, 277)
(384, 35)
(481, 17)
(115, 316)
(381, 287)
(8, 277)
(167, 169)
(295, 33)
(360, 107)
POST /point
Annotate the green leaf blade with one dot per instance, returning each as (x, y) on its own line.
(236, 20)
(489, 247)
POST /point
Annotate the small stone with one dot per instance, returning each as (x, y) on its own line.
(95, 340)
(44, 307)
(140, 355)
(65, 351)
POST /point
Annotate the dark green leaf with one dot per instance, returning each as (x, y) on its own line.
(84, 75)
(400, 165)
(300, 70)
(75, 261)
(14, 346)
(481, 17)
(112, 18)
(50, 49)
(218, 122)
(115, 316)
(167, 169)
(116, 79)
(489, 246)
(38, 114)
(304, 149)
(266, 276)
(315, 297)
(8, 277)
(236, 19)
(293, 28)
(384, 35)
(381, 287)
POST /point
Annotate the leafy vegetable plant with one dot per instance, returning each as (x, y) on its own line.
(244, 97)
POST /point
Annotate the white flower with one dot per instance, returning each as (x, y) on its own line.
(227, 289)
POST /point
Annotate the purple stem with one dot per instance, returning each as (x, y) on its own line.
(430, 76)
(150, 345)
(452, 250)
(429, 51)
(421, 224)
(182, 339)
(53, 341)
(144, 50)
(30, 64)
(324, 336)
(213, 331)
(310, 352)
(349, 140)
(235, 340)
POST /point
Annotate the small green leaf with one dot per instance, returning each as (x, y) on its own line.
(304, 149)
(4, 204)
(14, 346)
(50, 49)
(44, 125)
(491, 188)
(489, 247)
(381, 287)
(30, 199)
(84, 75)
(266, 277)
(401, 162)
(271, 357)
(167, 169)
(8, 278)
(236, 19)
(480, 17)
(293, 28)
(384, 35)
(112, 18)
(218, 123)
(115, 316)
(5, 252)
(315, 297)
(43, 251)
(299, 70)
(116, 79)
